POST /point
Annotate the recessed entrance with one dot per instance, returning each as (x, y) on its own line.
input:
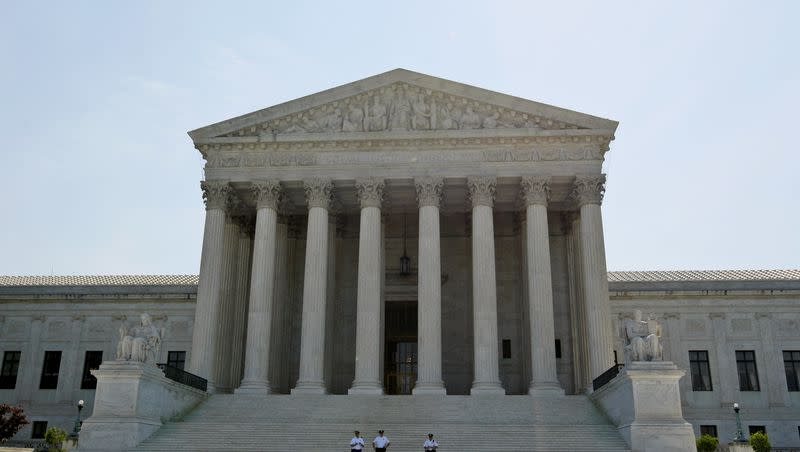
(400, 367)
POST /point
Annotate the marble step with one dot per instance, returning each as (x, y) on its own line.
(325, 423)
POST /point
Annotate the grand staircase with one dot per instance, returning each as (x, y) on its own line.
(326, 423)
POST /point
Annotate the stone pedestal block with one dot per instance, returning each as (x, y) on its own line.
(739, 447)
(131, 400)
(644, 402)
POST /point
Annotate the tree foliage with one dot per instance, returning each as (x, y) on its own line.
(12, 419)
(707, 443)
(55, 438)
(760, 442)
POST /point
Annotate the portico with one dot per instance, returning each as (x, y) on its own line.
(314, 201)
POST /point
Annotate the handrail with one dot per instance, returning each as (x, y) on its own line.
(183, 377)
(606, 376)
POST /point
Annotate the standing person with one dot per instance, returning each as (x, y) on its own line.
(357, 443)
(430, 444)
(380, 443)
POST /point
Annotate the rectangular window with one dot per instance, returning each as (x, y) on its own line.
(710, 430)
(506, 348)
(748, 373)
(176, 359)
(8, 375)
(791, 362)
(91, 361)
(39, 429)
(50, 367)
(757, 428)
(558, 348)
(700, 369)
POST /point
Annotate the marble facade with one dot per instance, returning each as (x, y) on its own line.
(475, 214)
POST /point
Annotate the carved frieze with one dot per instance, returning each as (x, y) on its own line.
(482, 190)
(216, 194)
(401, 107)
(370, 192)
(589, 189)
(535, 190)
(429, 191)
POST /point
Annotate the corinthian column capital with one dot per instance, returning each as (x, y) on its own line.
(319, 192)
(267, 193)
(216, 194)
(429, 191)
(535, 190)
(482, 190)
(370, 191)
(589, 189)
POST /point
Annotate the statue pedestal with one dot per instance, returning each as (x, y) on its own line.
(644, 402)
(130, 402)
(740, 447)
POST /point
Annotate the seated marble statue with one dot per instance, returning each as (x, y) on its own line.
(642, 339)
(140, 343)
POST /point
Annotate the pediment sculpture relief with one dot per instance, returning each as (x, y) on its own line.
(402, 107)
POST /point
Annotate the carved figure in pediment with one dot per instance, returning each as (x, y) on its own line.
(303, 124)
(376, 120)
(445, 117)
(470, 119)
(140, 343)
(642, 339)
(400, 113)
(422, 114)
(332, 122)
(492, 121)
(353, 120)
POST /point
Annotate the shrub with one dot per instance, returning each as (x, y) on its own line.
(12, 419)
(55, 437)
(707, 443)
(760, 442)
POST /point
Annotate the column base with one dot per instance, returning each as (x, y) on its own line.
(253, 387)
(487, 389)
(373, 388)
(545, 390)
(309, 387)
(433, 388)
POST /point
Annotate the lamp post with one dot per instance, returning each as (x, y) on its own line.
(739, 438)
(77, 428)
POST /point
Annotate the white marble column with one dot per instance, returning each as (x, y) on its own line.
(429, 289)
(775, 376)
(315, 283)
(544, 378)
(239, 334)
(484, 287)
(280, 330)
(202, 361)
(262, 283)
(368, 304)
(588, 192)
(227, 306)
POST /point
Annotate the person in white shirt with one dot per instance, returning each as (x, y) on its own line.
(380, 443)
(430, 444)
(357, 443)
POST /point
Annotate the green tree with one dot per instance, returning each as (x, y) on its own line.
(760, 442)
(55, 437)
(12, 419)
(707, 443)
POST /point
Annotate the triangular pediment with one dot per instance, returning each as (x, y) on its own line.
(400, 101)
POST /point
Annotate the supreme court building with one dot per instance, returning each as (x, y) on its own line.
(409, 235)
(483, 209)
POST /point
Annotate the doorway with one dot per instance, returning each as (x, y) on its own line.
(400, 367)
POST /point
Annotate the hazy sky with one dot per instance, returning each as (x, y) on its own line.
(99, 176)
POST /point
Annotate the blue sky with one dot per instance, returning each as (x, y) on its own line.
(99, 176)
